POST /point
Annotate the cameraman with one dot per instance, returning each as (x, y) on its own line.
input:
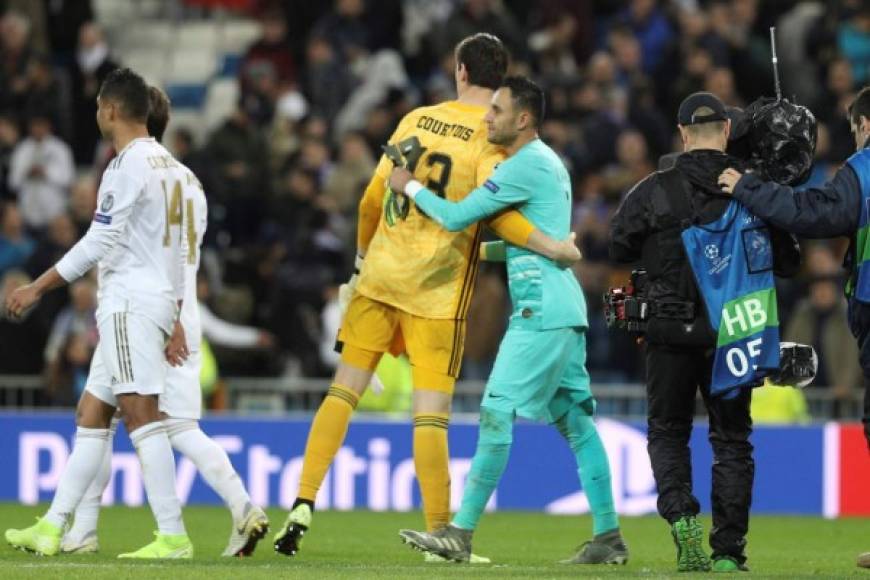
(680, 342)
(840, 207)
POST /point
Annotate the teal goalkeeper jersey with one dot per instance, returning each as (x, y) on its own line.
(535, 182)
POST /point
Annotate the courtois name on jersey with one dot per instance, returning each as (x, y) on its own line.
(138, 235)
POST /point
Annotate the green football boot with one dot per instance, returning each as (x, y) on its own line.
(42, 538)
(289, 538)
(689, 537)
(728, 564)
(165, 546)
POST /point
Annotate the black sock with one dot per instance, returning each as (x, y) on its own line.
(299, 501)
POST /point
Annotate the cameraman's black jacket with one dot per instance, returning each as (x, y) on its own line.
(646, 231)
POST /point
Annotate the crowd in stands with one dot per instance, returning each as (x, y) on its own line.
(322, 89)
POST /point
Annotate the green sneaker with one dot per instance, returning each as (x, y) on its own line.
(42, 538)
(450, 542)
(689, 537)
(608, 548)
(165, 546)
(289, 538)
(728, 564)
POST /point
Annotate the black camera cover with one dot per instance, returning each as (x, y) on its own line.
(776, 138)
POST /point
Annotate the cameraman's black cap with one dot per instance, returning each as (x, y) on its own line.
(695, 101)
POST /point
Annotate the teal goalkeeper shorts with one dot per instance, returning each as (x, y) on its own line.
(539, 374)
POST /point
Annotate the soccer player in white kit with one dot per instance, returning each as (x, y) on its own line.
(137, 239)
(181, 401)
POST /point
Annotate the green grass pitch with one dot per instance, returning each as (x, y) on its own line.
(365, 545)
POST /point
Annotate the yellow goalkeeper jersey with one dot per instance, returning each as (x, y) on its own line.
(411, 262)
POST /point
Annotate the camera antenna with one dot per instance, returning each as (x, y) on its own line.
(774, 60)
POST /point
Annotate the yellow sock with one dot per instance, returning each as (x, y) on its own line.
(325, 438)
(431, 461)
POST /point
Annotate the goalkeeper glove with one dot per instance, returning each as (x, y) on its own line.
(347, 290)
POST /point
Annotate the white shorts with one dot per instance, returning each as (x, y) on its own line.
(182, 395)
(128, 359)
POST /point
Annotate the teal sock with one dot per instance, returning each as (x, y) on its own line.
(487, 467)
(592, 466)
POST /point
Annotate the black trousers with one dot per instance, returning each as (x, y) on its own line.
(674, 374)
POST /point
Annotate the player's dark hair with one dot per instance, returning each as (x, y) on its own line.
(860, 107)
(526, 96)
(128, 90)
(485, 58)
(158, 113)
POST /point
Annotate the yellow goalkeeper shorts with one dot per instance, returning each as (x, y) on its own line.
(434, 346)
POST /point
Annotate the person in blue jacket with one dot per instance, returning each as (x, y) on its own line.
(840, 207)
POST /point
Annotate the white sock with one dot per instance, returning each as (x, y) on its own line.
(88, 511)
(158, 474)
(83, 464)
(212, 462)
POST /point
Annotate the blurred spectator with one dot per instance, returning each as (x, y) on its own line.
(628, 55)
(83, 203)
(749, 51)
(36, 15)
(91, 65)
(77, 318)
(328, 81)
(563, 34)
(223, 337)
(44, 95)
(41, 172)
(23, 339)
(67, 374)
(821, 320)
(831, 107)
(822, 169)
(15, 56)
(853, 40)
(241, 186)
(284, 136)
(71, 343)
(61, 236)
(65, 19)
(632, 164)
(472, 16)
(9, 136)
(267, 69)
(304, 258)
(350, 176)
(15, 245)
(226, 334)
(648, 23)
(720, 82)
(378, 76)
(345, 29)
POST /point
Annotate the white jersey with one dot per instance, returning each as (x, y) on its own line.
(195, 222)
(138, 235)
